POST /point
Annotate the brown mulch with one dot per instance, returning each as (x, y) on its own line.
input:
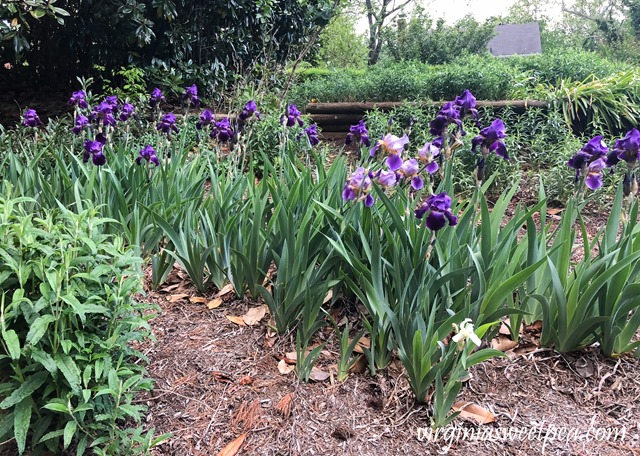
(217, 381)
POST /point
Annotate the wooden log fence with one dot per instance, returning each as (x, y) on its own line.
(334, 119)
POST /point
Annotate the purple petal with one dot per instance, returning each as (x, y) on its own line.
(394, 162)
(432, 167)
(368, 201)
(417, 183)
(436, 220)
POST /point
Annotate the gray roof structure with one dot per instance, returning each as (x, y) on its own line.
(516, 39)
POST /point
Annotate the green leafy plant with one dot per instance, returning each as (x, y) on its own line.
(67, 318)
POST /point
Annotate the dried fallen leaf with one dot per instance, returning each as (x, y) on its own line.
(197, 299)
(169, 288)
(290, 357)
(236, 320)
(233, 447)
(177, 297)
(360, 366)
(228, 288)
(475, 412)
(585, 367)
(318, 375)
(216, 302)
(328, 297)
(362, 343)
(503, 343)
(285, 368)
(255, 314)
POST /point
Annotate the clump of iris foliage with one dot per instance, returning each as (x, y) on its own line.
(436, 271)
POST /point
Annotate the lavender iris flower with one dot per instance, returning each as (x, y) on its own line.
(312, 134)
(79, 99)
(93, 150)
(439, 212)
(82, 123)
(156, 97)
(222, 130)
(594, 150)
(292, 117)
(148, 154)
(490, 139)
(128, 110)
(387, 178)
(410, 170)
(31, 119)
(206, 119)
(167, 124)
(392, 146)
(249, 110)
(427, 156)
(358, 133)
(191, 94)
(358, 187)
(594, 174)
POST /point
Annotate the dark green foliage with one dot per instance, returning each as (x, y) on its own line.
(423, 40)
(217, 38)
(68, 370)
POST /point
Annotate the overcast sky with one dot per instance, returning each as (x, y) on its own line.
(453, 10)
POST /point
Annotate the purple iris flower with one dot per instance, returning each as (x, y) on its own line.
(312, 134)
(427, 155)
(358, 187)
(82, 123)
(292, 117)
(490, 139)
(222, 130)
(392, 146)
(387, 178)
(128, 110)
(439, 209)
(410, 170)
(206, 119)
(167, 124)
(594, 150)
(191, 94)
(594, 174)
(467, 104)
(93, 150)
(156, 97)
(148, 154)
(31, 119)
(249, 110)
(358, 133)
(103, 112)
(448, 114)
(79, 99)
(627, 149)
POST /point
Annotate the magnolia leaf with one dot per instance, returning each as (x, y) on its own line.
(228, 288)
(474, 412)
(177, 297)
(285, 368)
(197, 299)
(318, 375)
(503, 343)
(254, 315)
(215, 302)
(236, 320)
(233, 447)
(363, 343)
